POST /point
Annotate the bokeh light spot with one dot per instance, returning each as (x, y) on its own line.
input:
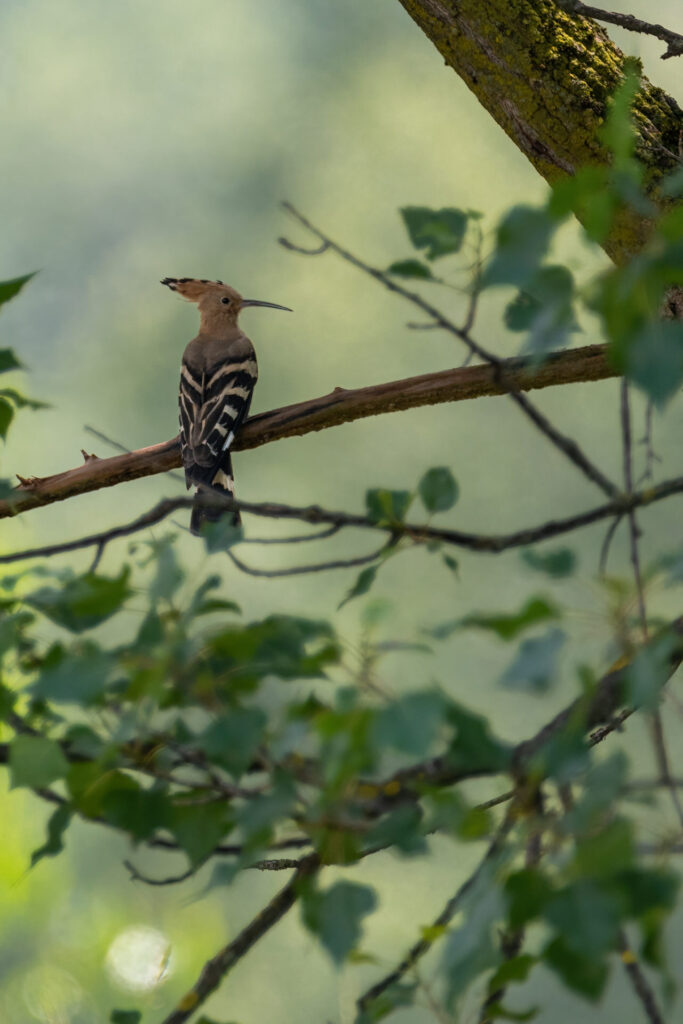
(139, 958)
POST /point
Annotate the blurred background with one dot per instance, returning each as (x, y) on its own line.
(145, 140)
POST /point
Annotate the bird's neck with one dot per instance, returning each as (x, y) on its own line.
(214, 328)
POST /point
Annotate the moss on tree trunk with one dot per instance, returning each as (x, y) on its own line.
(546, 77)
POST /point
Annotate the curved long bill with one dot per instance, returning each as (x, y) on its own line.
(271, 305)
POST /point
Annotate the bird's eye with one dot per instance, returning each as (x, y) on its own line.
(225, 301)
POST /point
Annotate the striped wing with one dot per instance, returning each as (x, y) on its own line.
(213, 406)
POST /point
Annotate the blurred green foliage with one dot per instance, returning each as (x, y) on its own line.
(221, 738)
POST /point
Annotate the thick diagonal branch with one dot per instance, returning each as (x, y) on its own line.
(546, 76)
(341, 406)
(215, 970)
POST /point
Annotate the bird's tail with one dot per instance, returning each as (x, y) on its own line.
(224, 482)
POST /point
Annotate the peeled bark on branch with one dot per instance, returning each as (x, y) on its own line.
(341, 406)
(546, 77)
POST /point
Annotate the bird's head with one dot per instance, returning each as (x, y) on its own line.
(219, 304)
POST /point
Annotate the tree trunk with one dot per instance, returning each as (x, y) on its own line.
(546, 77)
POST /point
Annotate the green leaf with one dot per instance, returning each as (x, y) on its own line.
(168, 575)
(523, 238)
(35, 761)
(410, 724)
(385, 506)
(199, 829)
(56, 827)
(649, 671)
(471, 949)
(82, 602)
(496, 1011)
(396, 995)
(508, 627)
(140, 812)
(586, 975)
(8, 289)
(232, 740)
(439, 232)
(643, 890)
(125, 1017)
(363, 583)
(221, 534)
(411, 268)
(535, 665)
(654, 359)
(8, 360)
(602, 785)
(77, 676)
(618, 132)
(527, 893)
(559, 563)
(605, 852)
(400, 829)
(516, 969)
(672, 186)
(6, 417)
(21, 401)
(438, 489)
(474, 747)
(587, 918)
(336, 915)
(544, 309)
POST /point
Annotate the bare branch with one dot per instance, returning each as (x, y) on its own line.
(478, 542)
(300, 570)
(215, 970)
(628, 21)
(640, 984)
(340, 406)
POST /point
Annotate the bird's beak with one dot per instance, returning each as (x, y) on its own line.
(271, 305)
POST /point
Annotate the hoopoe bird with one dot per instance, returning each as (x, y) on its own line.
(217, 379)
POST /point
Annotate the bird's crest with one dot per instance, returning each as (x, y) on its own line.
(193, 289)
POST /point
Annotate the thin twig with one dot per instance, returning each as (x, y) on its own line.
(298, 539)
(418, 950)
(215, 969)
(562, 442)
(628, 21)
(300, 570)
(314, 514)
(607, 544)
(640, 984)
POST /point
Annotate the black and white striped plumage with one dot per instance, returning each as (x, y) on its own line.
(217, 381)
(216, 384)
